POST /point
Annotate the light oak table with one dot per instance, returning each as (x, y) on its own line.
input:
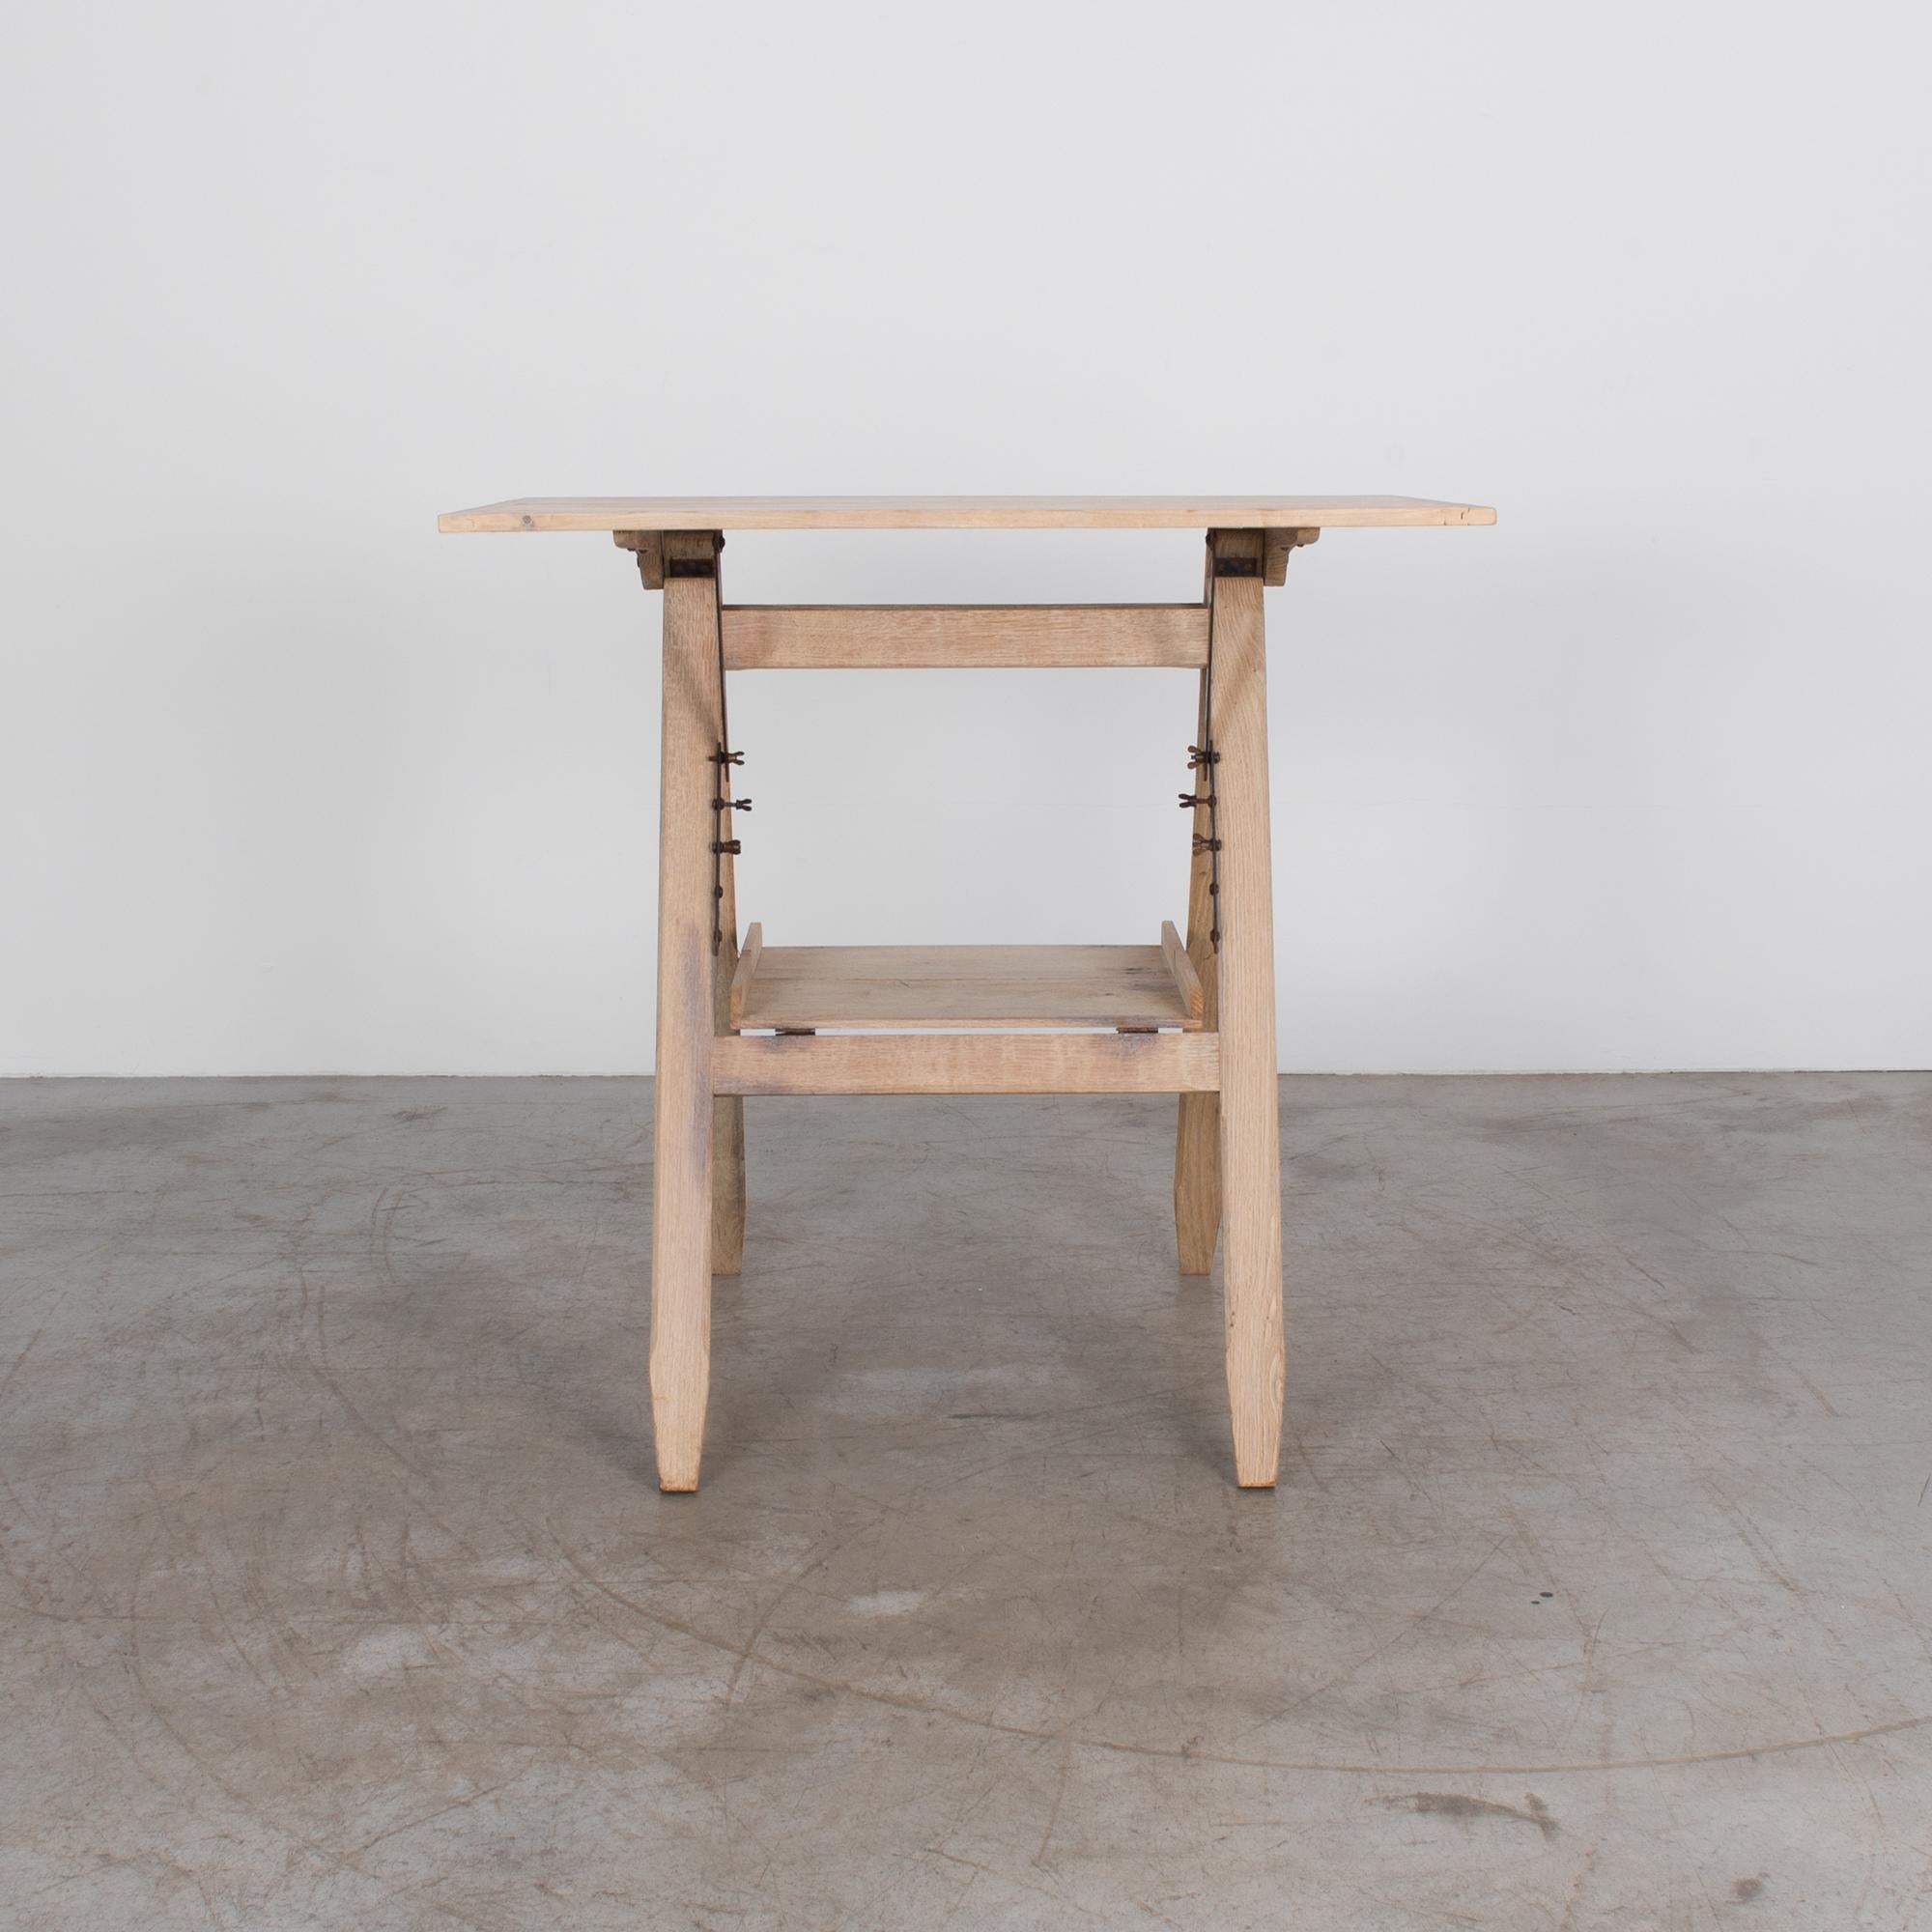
(738, 1018)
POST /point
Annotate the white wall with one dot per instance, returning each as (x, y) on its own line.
(1638, 778)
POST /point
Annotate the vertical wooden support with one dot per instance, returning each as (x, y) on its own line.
(1197, 1139)
(727, 1114)
(681, 1221)
(1245, 1017)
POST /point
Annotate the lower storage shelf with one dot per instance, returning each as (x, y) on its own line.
(996, 988)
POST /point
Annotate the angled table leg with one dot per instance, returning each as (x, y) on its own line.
(1244, 988)
(681, 1221)
(1197, 1139)
(727, 1114)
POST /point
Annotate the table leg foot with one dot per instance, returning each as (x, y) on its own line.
(681, 1279)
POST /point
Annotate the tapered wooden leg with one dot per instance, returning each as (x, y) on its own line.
(1197, 1139)
(682, 1204)
(727, 1115)
(1244, 993)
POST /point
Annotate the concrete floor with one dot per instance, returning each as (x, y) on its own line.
(338, 1593)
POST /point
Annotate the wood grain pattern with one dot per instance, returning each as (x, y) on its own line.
(1250, 1090)
(746, 972)
(1279, 544)
(980, 636)
(960, 513)
(865, 987)
(1196, 1138)
(1063, 1063)
(681, 1217)
(648, 546)
(1181, 969)
(727, 1115)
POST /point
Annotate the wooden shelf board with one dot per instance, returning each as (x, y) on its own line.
(1000, 988)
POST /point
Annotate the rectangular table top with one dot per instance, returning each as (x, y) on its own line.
(961, 513)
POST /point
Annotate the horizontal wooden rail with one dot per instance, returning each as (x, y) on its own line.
(1164, 1062)
(915, 637)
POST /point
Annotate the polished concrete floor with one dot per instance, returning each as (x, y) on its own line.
(337, 1592)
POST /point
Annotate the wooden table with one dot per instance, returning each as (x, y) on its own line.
(738, 1018)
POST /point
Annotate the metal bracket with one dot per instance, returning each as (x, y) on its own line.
(1224, 567)
(691, 566)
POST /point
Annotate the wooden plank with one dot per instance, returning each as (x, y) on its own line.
(727, 1115)
(885, 637)
(1114, 1063)
(649, 548)
(1180, 968)
(1250, 1088)
(1196, 1138)
(681, 1217)
(991, 987)
(748, 967)
(960, 513)
(1275, 557)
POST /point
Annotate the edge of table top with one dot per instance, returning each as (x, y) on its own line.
(960, 513)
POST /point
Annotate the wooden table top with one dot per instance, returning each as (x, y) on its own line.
(961, 513)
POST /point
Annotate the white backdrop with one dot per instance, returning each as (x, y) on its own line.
(1638, 778)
